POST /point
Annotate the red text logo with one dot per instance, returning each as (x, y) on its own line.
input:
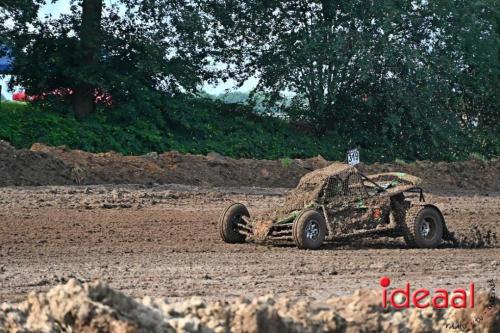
(422, 298)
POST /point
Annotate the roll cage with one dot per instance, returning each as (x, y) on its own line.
(351, 185)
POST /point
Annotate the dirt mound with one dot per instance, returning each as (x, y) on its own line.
(95, 307)
(474, 174)
(25, 167)
(174, 167)
(44, 165)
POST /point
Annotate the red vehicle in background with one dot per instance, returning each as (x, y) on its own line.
(100, 96)
(19, 96)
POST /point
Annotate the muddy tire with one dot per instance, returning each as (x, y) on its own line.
(227, 223)
(423, 227)
(309, 230)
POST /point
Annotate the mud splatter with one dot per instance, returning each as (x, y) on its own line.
(307, 191)
(475, 237)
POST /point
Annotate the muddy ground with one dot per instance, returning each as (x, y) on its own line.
(162, 241)
(58, 223)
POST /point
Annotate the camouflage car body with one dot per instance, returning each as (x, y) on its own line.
(353, 205)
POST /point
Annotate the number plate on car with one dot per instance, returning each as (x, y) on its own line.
(353, 157)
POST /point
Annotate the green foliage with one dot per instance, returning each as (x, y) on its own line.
(397, 79)
(477, 156)
(286, 162)
(145, 50)
(11, 106)
(19, 11)
(400, 161)
(407, 78)
(200, 126)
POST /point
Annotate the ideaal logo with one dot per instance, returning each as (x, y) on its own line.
(422, 298)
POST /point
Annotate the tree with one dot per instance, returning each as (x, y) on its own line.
(90, 43)
(378, 72)
(19, 11)
(474, 48)
(135, 51)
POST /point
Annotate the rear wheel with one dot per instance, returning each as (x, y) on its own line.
(423, 227)
(228, 221)
(309, 230)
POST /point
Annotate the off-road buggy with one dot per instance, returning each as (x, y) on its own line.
(339, 203)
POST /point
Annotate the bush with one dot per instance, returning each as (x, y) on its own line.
(196, 125)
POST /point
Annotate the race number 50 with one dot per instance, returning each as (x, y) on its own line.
(353, 157)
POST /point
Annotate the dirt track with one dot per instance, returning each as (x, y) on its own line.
(162, 241)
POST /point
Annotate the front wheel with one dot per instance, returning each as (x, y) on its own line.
(423, 227)
(228, 221)
(309, 230)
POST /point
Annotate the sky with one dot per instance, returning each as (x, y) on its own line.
(63, 6)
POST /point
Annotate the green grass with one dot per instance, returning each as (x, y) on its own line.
(12, 106)
(477, 156)
(286, 162)
(400, 161)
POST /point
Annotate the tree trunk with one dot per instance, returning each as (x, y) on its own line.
(328, 10)
(90, 42)
(83, 100)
